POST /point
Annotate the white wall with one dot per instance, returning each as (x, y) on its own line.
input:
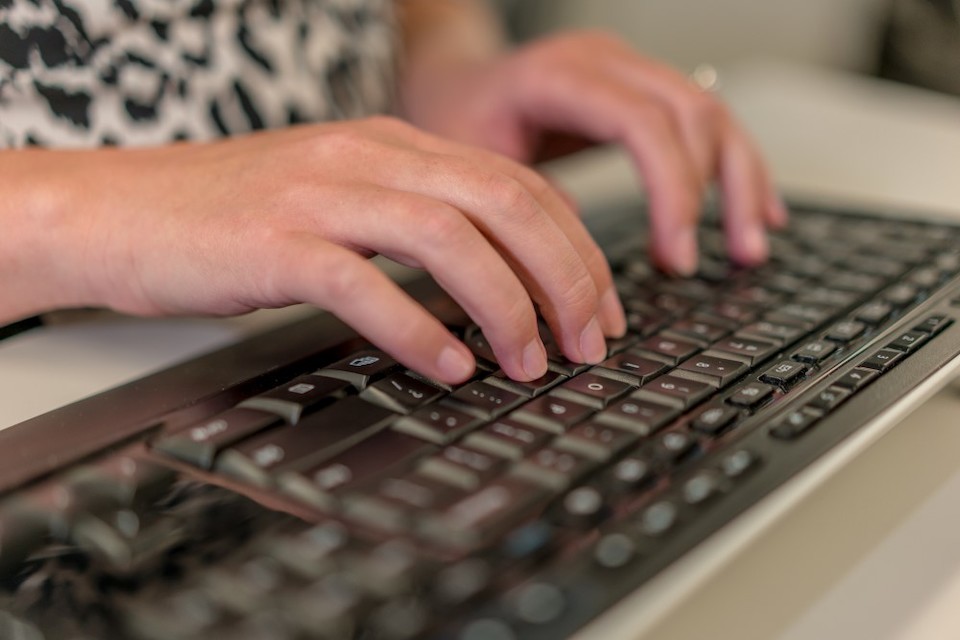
(838, 33)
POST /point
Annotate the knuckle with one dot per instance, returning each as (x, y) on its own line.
(342, 278)
(512, 197)
(441, 226)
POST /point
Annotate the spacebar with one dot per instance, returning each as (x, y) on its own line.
(305, 444)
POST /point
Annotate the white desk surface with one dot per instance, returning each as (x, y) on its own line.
(873, 553)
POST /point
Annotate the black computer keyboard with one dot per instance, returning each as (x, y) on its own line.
(278, 491)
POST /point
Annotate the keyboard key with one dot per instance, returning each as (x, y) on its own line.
(814, 352)
(883, 360)
(845, 331)
(699, 488)
(401, 393)
(596, 441)
(901, 294)
(640, 416)
(751, 395)
(462, 466)
(630, 368)
(747, 350)
(784, 373)
(554, 468)
(658, 518)
(630, 473)
(394, 504)
(774, 331)
(614, 551)
(582, 508)
(316, 438)
(795, 424)
(674, 446)
(591, 390)
(298, 397)
(484, 400)
(670, 389)
(714, 419)
(857, 379)
(199, 445)
(529, 389)
(477, 343)
(830, 398)
(552, 413)
(874, 313)
(701, 330)
(909, 341)
(717, 372)
(934, 324)
(478, 517)
(361, 368)
(509, 439)
(437, 423)
(735, 465)
(669, 350)
(806, 315)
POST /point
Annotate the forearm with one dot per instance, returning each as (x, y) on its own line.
(36, 248)
(441, 37)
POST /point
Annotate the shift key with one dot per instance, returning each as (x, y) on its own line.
(314, 439)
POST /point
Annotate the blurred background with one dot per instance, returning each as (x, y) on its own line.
(911, 41)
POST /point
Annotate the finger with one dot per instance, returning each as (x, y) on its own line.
(562, 209)
(331, 277)
(514, 222)
(746, 201)
(417, 230)
(609, 111)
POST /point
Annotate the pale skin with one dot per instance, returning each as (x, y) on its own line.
(289, 216)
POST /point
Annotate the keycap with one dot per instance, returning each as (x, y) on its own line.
(582, 507)
(814, 352)
(631, 472)
(909, 341)
(401, 393)
(795, 424)
(658, 518)
(591, 390)
(640, 416)
(807, 315)
(478, 517)
(857, 378)
(933, 324)
(199, 445)
(316, 438)
(477, 343)
(873, 312)
(670, 389)
(901, 294)
(883, 360)
(829, 398)
(596, 440)
(360, 368)
(536, 603)
(462, 466)
(528, 542)
(717, 372)
(554, 468)
(531, 388)
(702, 330)
(669, 350)
(736, 464)
(399, 497)
(614, 551)
(631, 368)
(713, 419)
(509, 439)
(437, 423)
(552, 413)
(925, 277)
(699, 488)
(462, 581)
(672, 446)
(747, 350)
(484, 400)
(298, 397)
(784, 373)
(738, 312)
(845, 331)
(751, 394)
(383, 453)
(771, 331)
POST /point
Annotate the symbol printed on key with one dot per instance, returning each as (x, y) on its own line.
(784, 368)
(712, 415)
(365, 361)
(630, 408)
(595, 386)
(750, 392)
(268, 455)
(301, 388)
(557, 409)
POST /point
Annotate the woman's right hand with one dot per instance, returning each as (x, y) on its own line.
(277, 218)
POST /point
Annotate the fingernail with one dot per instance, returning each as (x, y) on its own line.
(534, 359)
(685, 251)
(755, 243)
(612, 318)
(593, 346)
(455, 363)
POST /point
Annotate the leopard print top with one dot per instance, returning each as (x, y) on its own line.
(87, 73)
